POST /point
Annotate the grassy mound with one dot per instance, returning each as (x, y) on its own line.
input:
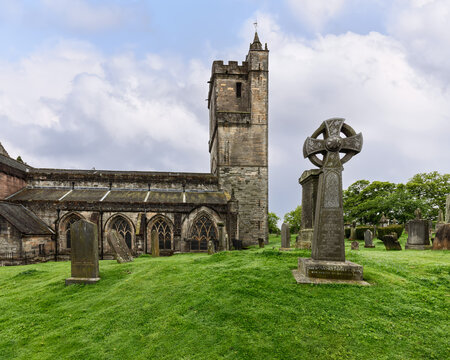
(232, 305)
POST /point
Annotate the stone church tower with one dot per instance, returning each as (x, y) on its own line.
(238, 139)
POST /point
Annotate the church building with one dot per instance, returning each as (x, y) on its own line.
(37, 205)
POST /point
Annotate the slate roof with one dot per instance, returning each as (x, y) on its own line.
(11, 163)
(94, 195)
(23, 219)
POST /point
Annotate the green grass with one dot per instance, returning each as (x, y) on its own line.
(232, 305)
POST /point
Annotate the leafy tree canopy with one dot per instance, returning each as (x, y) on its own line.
(294, 219)
(272, 220)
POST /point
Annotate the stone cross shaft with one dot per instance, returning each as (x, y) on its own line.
(328, 239)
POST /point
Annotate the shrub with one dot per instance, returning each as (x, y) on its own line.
(360, 230)
(389, 229)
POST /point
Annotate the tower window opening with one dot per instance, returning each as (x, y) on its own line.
(238, 89)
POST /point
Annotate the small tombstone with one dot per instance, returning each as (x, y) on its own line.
(418, 235)
(211, 249)
(222, 244)
(418, 214)
(391, 242)
(119, 247)
(227, 243)
(384, 220)
(440, 220)
(355, 245)
(353, 231)
(155, 243)
(84, 253)
(285, 236)
(442, 238)
(261, 242)
(368, 239)
(394, 221)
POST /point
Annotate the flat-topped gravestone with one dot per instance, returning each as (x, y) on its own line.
(355, 245)
(84, 253)
(155, 243)
(418, 235)
(327, 263)
(120, 249)
(285, 237)
(391, 242)
(309, 181)
(368, 239)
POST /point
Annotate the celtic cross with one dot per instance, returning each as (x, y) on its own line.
(328, 238)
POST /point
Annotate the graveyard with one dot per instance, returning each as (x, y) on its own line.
(234, 305)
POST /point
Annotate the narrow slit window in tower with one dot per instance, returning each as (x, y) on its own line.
(238, 89)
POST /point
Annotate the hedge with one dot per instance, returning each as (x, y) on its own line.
(390, 229)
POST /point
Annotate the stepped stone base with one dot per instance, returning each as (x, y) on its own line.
(328, 272)
(417, 247)
(73, 280)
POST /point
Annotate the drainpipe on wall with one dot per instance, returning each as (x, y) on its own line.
(101, 234)
(57, 233)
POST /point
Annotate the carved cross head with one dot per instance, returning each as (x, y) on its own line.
(332, 143)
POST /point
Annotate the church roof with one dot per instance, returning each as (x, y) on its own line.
(104, 195)
(23, 219)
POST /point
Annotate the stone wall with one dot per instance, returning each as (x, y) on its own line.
(10, 184)
(10, 243)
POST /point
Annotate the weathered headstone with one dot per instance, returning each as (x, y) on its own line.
(84, 253)
(222, 243)
(447, 209)
(442, 238)
(391, 242)
(285, 236)
(418, 235)
(211, 249)
(384, 221)
(368, 239)
(309, 182)
(353, 231)
(327, 262)
(119, 247)
(440, 220)
(355, 245)
(261, 242)
(418, 214)
(155, 243)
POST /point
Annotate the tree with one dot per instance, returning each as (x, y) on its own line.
(294, 219)
(272, 220)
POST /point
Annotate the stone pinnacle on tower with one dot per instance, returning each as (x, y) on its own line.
(256, 45)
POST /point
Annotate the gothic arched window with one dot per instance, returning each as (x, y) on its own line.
(72, 219)
(164, 233)
(202, 231)
(123, 227)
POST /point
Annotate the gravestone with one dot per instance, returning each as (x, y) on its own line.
(418, 235)
(391, 242)
(211, 249)
(442, 238)
(222, 243)
(353, 231)
(309, 182)
(84, 253)
(121, 252)
(155, 243)
(447, 209)
(285, 237)
(355, 245)
(440, 220)
(327, 263)
(368, 239)
(384, 221)
(261, 243)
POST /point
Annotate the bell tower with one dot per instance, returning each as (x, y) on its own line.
(238, 136)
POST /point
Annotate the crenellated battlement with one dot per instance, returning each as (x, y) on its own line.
(232, 68)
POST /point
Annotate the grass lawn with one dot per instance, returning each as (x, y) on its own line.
(232, 305)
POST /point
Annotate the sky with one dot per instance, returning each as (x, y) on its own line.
(122, 85)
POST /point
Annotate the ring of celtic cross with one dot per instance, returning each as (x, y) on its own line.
(330, 130)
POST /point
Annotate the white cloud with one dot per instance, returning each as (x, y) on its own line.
(316, 13)
(422, 27)
(71, 91)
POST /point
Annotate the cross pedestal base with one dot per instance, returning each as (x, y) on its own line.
(328, 272)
